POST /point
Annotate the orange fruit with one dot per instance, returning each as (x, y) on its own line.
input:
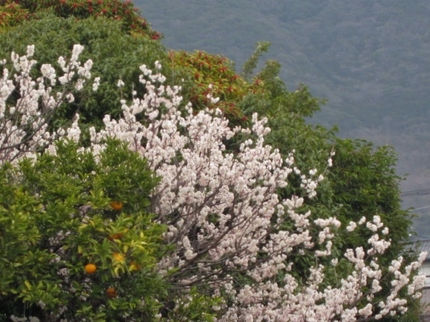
(118, 257)
(134, 266)
(115, 236)
(90, 269)
(111, 292)
(116, 205)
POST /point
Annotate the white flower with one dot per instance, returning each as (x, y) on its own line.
(351, 227)
(362, 220)
(96, 83)
(77, 50)
(70, 98)
(30, 50)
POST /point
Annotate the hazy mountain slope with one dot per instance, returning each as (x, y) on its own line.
(371, 59)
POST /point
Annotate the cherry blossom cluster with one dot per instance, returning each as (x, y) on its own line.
(232, 234)
(218, 196)
(26, 105)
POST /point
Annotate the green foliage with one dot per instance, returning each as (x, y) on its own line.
(250, 65)
(365, 184)
(122, 11)
(194, 307)
(56, 218)
(274, 99)
(11, 14)
(201, 70)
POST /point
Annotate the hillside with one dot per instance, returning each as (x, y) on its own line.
(371, 60)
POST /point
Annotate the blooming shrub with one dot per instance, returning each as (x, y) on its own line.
(229, 236)
(226, 219)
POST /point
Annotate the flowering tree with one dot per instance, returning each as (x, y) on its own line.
(234, 235)
(230, 235)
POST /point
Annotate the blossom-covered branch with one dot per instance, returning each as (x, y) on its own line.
(27, 105)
